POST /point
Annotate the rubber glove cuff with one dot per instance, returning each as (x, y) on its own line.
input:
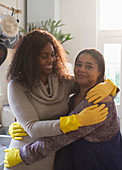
(114, 89)
(69, 123)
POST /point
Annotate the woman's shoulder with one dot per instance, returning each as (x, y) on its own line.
(14, 84)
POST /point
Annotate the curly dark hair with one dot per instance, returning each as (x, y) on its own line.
(98, 56)
(25, 66)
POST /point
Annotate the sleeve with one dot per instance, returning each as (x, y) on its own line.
(117, 91)
(27, 116)
(45, 146)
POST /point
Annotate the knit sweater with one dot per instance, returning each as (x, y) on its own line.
(101, 132)
(38, 112)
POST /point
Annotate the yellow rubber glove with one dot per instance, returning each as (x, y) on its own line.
(100, 91)
(92, 115)
(16, 131)
(89, 116)
(12, 157)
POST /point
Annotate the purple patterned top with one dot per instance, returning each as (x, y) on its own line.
(101, 132)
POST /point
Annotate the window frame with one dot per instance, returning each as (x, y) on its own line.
(112, 36)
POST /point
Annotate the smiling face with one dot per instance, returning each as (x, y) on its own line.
(46, 58)
(86, 70)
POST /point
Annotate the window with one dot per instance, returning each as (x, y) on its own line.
(110, 41)
(110, 14)
(112, 54)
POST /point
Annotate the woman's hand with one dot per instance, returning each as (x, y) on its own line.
(12, 157)
(92, 115)
(16, 131)
(100, 91)
(89, 116)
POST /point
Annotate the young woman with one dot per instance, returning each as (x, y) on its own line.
(38, 93)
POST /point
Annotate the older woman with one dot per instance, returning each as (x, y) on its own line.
(100, 146)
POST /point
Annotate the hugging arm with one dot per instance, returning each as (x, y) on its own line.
(43, 147)
(96, 94)
(46, 146)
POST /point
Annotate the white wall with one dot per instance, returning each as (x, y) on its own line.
(39, 10)
(80, 19)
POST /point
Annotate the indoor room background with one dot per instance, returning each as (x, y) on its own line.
(89, 25)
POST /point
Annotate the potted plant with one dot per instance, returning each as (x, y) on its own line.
(51, 26)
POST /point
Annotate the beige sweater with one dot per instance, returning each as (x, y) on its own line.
(37, 111)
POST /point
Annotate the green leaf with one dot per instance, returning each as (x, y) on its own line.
(52, 26)
(22, 30)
